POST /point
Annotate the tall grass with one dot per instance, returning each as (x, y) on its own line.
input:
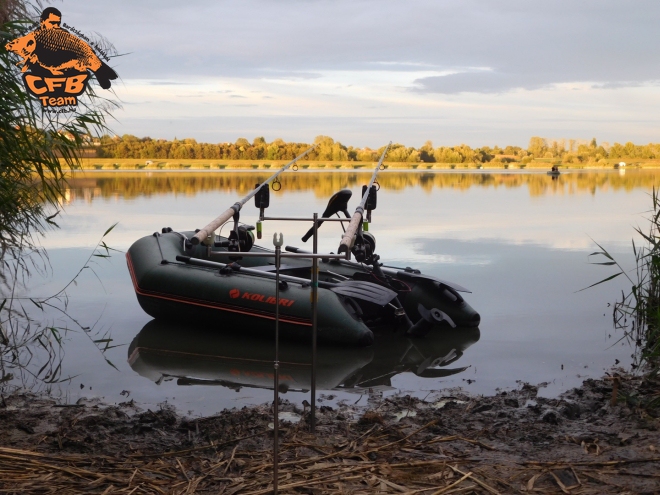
(33, 329)
(37, 150)
(637, 313)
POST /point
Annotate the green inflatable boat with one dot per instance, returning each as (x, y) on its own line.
(175, 283)
(201, 277)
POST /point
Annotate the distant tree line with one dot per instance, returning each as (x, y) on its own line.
(564, 151)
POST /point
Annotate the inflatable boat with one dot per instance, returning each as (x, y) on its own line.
(202, 277)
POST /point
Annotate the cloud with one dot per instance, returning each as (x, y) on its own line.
(289, 75)
(153, 82)
(526, 44)
(473, 82)
(622, 84)
(475, 71)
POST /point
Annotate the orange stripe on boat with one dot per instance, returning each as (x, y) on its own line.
(208, 304)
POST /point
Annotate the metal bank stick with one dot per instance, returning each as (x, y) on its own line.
(276, 366)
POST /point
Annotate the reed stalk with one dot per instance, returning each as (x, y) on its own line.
(637, 312)
(37, 151)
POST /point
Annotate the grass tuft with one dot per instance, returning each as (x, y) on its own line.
(637, 313)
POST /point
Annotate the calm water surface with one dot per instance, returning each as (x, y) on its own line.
(519, 241)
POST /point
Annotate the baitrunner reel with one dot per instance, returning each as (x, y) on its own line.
(364, 248)
(241, 238)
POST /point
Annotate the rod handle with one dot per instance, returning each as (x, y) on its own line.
(348, 238)
(215, 224)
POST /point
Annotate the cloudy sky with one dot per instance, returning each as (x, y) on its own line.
(480, 72)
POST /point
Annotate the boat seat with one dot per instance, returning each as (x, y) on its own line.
(283, 266)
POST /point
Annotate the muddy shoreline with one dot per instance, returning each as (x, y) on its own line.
(597, 438)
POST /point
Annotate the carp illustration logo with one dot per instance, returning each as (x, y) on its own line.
(57, 64)
(234, 293)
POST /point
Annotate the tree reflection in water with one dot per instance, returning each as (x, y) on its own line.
(105, 185)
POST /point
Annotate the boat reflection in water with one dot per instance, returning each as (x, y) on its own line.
(197, 356)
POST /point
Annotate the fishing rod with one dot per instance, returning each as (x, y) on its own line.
(347, 240)
(208, 230)
(363, 244)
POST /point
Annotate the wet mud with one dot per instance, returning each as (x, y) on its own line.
(599, 438)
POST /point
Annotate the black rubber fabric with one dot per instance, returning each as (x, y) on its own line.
(365, 291)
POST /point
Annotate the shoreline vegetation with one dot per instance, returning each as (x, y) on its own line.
(132, 153)
(154, 165)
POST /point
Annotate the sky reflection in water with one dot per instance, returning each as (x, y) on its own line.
(519, 241)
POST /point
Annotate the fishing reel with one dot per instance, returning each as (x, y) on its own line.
(241, 238)
(364, 248)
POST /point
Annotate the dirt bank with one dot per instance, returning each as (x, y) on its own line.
(595, 439)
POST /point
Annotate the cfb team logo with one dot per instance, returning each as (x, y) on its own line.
(56, 64)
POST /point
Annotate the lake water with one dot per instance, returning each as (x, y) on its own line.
(519, 240)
